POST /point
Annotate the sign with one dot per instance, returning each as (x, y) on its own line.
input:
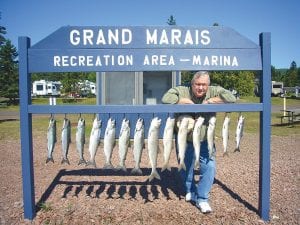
(143, 49)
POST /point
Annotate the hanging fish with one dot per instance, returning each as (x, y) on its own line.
(51, 139)
(211, 135)
(153, 147)
(124, 140)
(239, 132)
(196, 139)
(225, 134)
(182, 137)
(65, 140)
(80, 140)
(109, 142)
(167, 142)
(94, 141)
(138, 145)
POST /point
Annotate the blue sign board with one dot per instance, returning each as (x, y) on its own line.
(144, 49)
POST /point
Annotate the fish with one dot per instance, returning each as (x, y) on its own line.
(94, 141)
(65, 140)
(124, 140)
(51, 139)
(211, 135)
(225, 134)
(138, 145)
(182, 136)
(167, 142)
(109, 142)
(80, 140)
(153, 147)
(239, 132)
(196, 139)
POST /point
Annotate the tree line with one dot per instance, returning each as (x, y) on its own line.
(242, 81)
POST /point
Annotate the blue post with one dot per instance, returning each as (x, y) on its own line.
(265, 128)
(26, 130)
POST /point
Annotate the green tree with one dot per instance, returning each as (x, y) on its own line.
(2, 32)
(275, 74)
(291, 78)
(9, 78)
(241, 81)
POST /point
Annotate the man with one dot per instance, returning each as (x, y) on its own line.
(198, 93)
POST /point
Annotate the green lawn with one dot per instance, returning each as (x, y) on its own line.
(10, 129)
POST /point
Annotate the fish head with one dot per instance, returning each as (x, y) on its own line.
(170, 122)
(125, 124)
(155, 122)
(139, 124)
(65, 123)
(81, 122)
(227, 120)
(111, 123)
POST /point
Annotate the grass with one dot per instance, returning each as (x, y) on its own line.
(10, 129)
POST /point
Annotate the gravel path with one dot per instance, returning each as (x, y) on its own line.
(72, 194)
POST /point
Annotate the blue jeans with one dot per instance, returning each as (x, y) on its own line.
(207, 172)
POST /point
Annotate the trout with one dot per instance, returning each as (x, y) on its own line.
(138, 145)
(182, 137)
(109, 142)
(80, 140)
(239, 132)
(124, 140)
(94, 141)
(211, 135)
(167, 142)
(225, 134)
(51, 139)
(196, 139)
(153, 147)
(65, 140)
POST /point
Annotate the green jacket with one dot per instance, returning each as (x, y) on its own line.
(173, 95)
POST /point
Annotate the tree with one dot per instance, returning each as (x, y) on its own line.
(241, 81)
(171, 21)
(2, 32)
(9, 78)
(291, 78)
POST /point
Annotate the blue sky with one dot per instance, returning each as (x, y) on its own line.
(39, 18)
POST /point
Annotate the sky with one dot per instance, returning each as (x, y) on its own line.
(37, 19)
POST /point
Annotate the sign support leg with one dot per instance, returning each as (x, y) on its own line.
(26, 130)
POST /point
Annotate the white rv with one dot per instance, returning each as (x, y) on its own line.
(87, 87)
(43, 88)
(277, 88)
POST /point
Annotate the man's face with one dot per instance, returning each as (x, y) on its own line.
(200, 86)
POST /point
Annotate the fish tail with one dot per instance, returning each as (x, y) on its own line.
(81, 161)
(49, 159)
(154, 174)
(108, 166)
(237, 149)
(91, 163)
(197, 164)
(121, 167)
(137, 171)
(166, 166)
(225, 154)
(181, 166)
(65, 160)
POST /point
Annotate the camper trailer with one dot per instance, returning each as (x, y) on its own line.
(277, 88)
(44, 88)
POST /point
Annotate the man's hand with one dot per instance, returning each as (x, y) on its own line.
(185, 101)
(214, 100)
